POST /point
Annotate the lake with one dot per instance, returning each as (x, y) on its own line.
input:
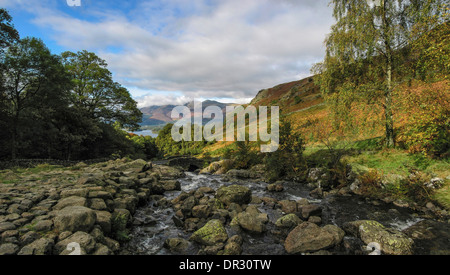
(146, 133)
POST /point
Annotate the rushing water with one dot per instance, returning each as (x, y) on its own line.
(156, 225)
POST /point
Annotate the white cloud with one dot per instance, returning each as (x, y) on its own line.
(208, 49)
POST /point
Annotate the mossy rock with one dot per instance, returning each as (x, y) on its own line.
(234, 194)
(288, 221)
(212, 233)
(391, 242)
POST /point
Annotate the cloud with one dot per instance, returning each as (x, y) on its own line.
(208, 49)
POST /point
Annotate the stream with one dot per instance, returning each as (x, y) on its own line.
(149, 239)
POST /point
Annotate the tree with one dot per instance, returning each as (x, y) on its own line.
(367, 48)
(8, 34)
(96, 93)
(33, 78)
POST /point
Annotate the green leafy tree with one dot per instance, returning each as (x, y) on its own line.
(8, 34)
(367, 48)
(33, 79)
(288, 159)
(95, 92)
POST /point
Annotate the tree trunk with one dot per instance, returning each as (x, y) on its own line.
(388, 107)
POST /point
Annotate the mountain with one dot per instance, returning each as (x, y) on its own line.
(161, 115)
(291, 97)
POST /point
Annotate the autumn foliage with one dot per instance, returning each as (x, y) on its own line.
(424, 117)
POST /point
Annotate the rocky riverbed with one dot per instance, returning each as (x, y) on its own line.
(138, 207)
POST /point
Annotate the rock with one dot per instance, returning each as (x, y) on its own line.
(233, 246)
(70, 201)
(187, 205)
(252, 220)
(315, 219)
(317, 193)
(309, 237)
(210, 234)
(275, 187)
(81, 192)
(29, 237)
(147, 166)
(288, 207)
(201, 211)
(112, 244)
(391, 241)
(43, 226)
(318, 177)
(98, 204)
(435, 183)
(355, 187)
(8, 249)
(128, 202)
(187, 163)
(288, 221)
(6, 226)
(42, 246)
(75, 218)
(102, 250)
(430, 237)
(86, 242)
(104, 220)
(310, 210)
(177, 245)
(212, 168)
(241, 174)
(171, 185)
(234, 194)
(104, 195)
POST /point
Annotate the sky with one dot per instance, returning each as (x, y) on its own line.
(174, 51)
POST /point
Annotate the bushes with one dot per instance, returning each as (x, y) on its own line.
(426, 114)
(288, 159)
(416, 188)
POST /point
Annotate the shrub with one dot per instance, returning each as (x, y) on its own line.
(371, 183)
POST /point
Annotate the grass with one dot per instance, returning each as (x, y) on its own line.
(16, 175)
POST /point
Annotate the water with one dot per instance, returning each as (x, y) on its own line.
(149, 239)
(146, 133)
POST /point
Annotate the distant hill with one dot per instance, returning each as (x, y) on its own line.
(161, 115)
(290, 97)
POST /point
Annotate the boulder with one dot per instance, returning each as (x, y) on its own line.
(8, 249)
(390, 241)
(275, 187)
(210, 234)
(288, 206)
(104, 219)
(6, 226)
(170, 185)
(288, 221)
(212, 168)
(83, 239)
(309, 237)
(43, 226)
(42, 246)
(201, 211)
(75, 218)
(252, 220)
(310, 210)
(80, 192)
(234, 194)
(177, 245)
(70, 201)
(241, 174)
